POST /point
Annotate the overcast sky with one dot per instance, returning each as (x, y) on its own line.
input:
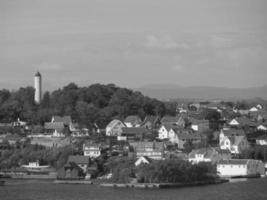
(133, 42)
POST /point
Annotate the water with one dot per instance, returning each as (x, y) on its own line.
(254, 189)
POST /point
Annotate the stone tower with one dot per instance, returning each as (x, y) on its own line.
(38, 88)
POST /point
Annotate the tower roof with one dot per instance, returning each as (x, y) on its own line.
(37, 74)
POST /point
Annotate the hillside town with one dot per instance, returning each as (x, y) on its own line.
(226, 135)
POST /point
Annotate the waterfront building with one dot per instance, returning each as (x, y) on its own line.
(153, 150)
(37, 88)
(240, 167)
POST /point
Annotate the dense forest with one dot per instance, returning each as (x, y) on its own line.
(87, 105)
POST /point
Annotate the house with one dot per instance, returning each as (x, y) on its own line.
(55, 129)
(66, 120)
(259, 107)
(133, 121)
(199, 124)
(240, 168)
(184, 136)
(233, 140)
(81, 161)
(153, 150)
(19, 123)
(163, 132)
(262, 127)
(262, 140)
(114, 128)
(142, 160)
(173, 120)
(253, 109)
(207, 155)
(134, 133)
(243, 122)
(70, 171)
(151, 122)
(91, 150)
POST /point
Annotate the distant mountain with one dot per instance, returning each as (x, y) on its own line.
(202, 92)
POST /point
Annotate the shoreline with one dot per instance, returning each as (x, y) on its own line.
(163, 185)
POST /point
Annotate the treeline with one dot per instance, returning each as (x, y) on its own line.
(87, 105)
(159, 171)
(12, 158)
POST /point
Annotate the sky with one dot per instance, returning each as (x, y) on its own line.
(133, 43)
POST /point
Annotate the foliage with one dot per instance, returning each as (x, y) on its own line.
(87, 105)
(174, 171)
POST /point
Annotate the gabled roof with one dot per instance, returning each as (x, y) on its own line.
(133, 119)
(168, 127)
(114, 123)
(59, 126)
(79, 159)
(65, 119)
(134, 130)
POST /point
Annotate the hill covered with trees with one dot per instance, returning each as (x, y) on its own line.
(96, 103)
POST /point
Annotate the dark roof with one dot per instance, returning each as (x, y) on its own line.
(134, 130)
(37, 74)
(197, 121)
(158, 146)
(262, 137)
(233, 162)
(134, 119)
(188, 135)
(234, 132)
(151, 118)
(59, 126)
(207, 152)
(170, 119)
(79, 159)
(171, 126)
(65, 119)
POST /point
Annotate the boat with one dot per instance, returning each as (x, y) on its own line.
(35, 167)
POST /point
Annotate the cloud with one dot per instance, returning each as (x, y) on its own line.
(48, 66)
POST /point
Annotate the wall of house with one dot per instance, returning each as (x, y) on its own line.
(163, 133)
(232, 170)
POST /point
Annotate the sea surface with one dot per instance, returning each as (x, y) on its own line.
(253, 189)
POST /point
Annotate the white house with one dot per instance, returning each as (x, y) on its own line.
(203, 155)
(253, 109)
(91, 150)
(240, 167)
(132, 121)
(233, 122)
(233, 140)
(114, 128)
(262, 127)
(262, 140)
(142, 160)
(163, 132)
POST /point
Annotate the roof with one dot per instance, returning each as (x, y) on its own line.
(243, 121)
(151, 145)
(188, 135)
(37, 74)
(79, 159)
(168, 127)
(59, 126)
(65, 119)
(233, 162)
(151, 118)
(198, 121)
(262, 137)
(133, 119)
(207, 152)
(170, 119)
(134, 130)
(233, 132)
(73, 165)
